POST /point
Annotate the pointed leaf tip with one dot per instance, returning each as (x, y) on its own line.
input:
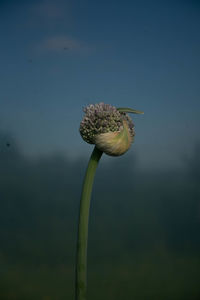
(129, 110)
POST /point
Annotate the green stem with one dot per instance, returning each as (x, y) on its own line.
(81, 255)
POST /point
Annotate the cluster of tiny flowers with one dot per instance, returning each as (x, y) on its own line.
(101, 118)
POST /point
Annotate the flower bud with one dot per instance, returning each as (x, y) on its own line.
(111, 130)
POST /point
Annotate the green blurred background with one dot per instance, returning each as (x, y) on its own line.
(144, 240)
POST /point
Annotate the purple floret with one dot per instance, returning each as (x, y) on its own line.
(101, 118)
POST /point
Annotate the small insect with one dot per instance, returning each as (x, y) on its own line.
(8, 144)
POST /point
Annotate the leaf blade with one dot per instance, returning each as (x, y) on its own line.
(129, 110)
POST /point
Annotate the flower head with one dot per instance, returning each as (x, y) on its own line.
(111, 130)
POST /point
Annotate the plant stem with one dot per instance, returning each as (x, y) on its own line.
(81, 254)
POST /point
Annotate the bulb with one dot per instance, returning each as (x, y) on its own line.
(111, 130)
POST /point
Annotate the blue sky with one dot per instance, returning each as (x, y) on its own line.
(58, 56)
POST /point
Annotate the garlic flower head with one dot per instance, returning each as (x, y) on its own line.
(111, 130)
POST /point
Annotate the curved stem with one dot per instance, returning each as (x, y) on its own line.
(81, 255)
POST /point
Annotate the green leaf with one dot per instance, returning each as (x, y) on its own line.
(129, 110)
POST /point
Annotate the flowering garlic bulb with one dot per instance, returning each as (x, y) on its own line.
(111, 130)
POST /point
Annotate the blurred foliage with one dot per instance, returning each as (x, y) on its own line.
(144, 240)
